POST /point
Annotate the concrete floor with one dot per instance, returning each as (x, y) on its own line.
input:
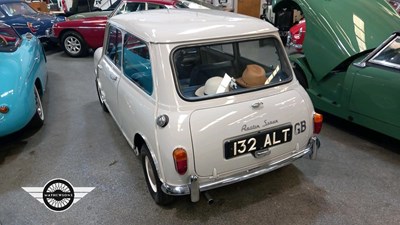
(355, 179)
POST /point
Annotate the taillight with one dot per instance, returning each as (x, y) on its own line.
(318, 118)
(180, 159)
(4, 109)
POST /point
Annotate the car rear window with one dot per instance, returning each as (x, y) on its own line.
(213, 70)
(17, 8)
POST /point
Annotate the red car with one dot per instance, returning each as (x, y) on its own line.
(296, 35)
(76, 37)
(298, 31)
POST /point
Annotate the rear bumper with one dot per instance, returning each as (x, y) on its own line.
(194, 187)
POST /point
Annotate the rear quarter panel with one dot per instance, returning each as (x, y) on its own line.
(23, 68)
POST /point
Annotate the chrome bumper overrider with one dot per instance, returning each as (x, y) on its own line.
(194, 188)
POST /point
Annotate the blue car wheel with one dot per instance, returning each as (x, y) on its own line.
(38, 118)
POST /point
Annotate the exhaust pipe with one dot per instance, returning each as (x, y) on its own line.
(209, 199)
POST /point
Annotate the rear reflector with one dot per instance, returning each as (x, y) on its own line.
(4, 109)
(318, 118)
(180, 159)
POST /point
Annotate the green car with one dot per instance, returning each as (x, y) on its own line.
(350, 64)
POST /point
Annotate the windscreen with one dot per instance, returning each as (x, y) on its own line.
(17, 8)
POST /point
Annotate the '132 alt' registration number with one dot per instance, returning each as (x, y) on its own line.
(257, 141)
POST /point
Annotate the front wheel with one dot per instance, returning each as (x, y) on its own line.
(73, 44)
(152, 179)
(38, 118)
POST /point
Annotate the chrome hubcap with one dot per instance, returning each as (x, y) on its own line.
(150, 174)
(72, 44)
(39, 107)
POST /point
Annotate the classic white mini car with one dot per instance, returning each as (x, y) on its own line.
(206, 98)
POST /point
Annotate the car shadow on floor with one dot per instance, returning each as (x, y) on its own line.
(274, 193)
(54, 48)
(13, 143)
(364, 133)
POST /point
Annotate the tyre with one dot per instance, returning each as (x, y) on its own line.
(101, 96)
(38, 119)
(152, 180)
(73, 44)
(300, 77)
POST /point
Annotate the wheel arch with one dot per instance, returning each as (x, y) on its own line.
(138, 142)
(39, 86)
(299, 61)
(68, 30)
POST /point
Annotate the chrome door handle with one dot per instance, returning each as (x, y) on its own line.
(100, 67)
(113, 77)
(257, 105)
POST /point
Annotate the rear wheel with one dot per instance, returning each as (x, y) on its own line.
(73, 44)
(101, 96)
(152, 179)
(38, 118)
(300, 77)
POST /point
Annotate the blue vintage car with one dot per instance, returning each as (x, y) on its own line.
(25, 19)
(23, 77)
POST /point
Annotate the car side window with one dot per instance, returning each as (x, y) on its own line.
(6, 9)
(136, 63)
(155, 6)
(390, 55)
(114, 46)
(131, 7)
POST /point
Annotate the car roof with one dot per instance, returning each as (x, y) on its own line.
(161, 2)
(180, 25)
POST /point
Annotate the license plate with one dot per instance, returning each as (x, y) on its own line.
(257, 141)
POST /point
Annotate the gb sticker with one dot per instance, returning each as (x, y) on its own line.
(300, 127)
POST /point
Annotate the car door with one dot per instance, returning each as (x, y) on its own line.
(135, 91)
(110, 69)
(376, 86)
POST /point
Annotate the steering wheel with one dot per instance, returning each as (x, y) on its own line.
(3, 41)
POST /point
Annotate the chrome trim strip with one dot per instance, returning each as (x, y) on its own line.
(193, 188)
(77, 28)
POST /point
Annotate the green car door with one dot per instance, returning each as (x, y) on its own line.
(376, 94)
(376, 87)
